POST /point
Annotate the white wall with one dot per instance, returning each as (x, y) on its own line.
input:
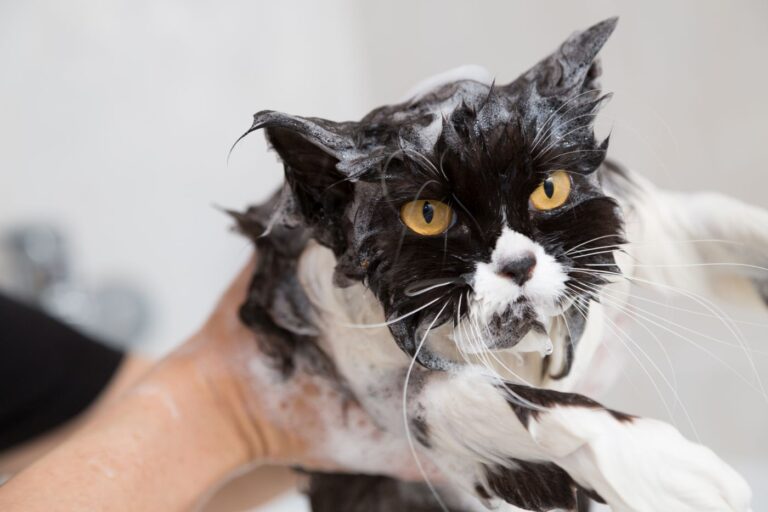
(116, 118)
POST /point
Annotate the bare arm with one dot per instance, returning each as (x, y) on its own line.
(205, 411)
(137, 454)
(19, 457)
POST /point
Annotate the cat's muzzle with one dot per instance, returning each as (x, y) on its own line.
(506, 330)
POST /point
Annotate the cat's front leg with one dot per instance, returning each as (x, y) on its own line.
(638, 464)
(534, 447)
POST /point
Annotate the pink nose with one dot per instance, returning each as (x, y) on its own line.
(520, 269)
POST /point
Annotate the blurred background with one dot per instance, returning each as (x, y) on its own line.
(116, 118)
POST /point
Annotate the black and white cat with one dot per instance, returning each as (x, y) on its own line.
(443, 259)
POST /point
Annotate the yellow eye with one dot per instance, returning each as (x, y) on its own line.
(552, 192)
(427, 217)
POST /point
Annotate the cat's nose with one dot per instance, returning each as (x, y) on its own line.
(519, 269)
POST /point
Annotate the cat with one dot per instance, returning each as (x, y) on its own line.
(443, 259)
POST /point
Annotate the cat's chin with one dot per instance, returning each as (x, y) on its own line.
(534, 340)
(529, 333)
(454, 347)
(509, 329)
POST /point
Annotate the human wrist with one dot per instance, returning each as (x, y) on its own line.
(182, 391)
(216, 368)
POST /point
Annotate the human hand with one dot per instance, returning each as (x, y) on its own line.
(211, 407)
(304, 420)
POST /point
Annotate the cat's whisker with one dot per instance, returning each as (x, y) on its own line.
(456, 336)
(625, 338)
(406, 425)
(554, 140)
(694, 241)
(382, 174)
(698, 313)
(563, 121)
(440, 164)
(613, 247)
(641, 244)
(394, 320)
(582, 244)
(507, 369)
(484, 355)
(474, 340)
(689, 265)
(385, 170)
(438, 171)
(683, 265)
(557, 139)
(477, 349)
(480, 349)
(431, 284)
(674, 386)
(462, 339)
(475, 344)
(578, 303)
(543, 132)
(445, 249)
(631, 314)
(647, 312)
(575, 152)
(598, 253)
(481, 354)
(724, 318)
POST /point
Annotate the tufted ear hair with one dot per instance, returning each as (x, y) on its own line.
(574, 68)
(311, 150)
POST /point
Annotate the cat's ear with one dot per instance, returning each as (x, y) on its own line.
(311, 147)
(311, 150)
(574, 68)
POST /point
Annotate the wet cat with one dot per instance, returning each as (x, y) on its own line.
(442, 260)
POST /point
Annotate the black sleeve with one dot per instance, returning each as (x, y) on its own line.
(48, 372)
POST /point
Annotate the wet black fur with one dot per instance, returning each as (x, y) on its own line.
(366, 493)
(546, 398)
(538, 487)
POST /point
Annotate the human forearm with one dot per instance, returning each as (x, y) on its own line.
(158, 447)
(213, 405)
(19, 457)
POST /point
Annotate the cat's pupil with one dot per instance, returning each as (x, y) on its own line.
(428, 212)
(549, 188)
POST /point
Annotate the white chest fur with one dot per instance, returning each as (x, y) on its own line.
(355, 335)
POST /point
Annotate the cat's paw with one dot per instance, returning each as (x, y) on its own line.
(643, 465)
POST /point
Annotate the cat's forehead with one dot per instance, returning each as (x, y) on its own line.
(420, 121)
(445, 98)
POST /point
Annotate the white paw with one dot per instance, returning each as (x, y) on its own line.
(645, 465)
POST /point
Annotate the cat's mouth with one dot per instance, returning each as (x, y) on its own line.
(506, 331)
(519, 328)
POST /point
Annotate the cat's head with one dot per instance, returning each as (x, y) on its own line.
(470, 202)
